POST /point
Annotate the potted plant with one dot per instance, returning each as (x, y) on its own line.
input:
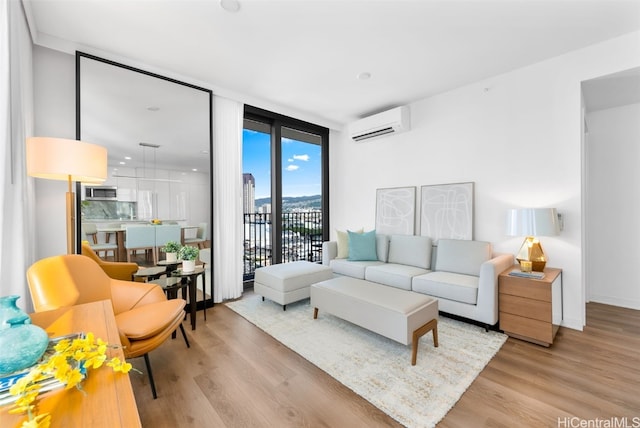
(188, 255)
(171, 249)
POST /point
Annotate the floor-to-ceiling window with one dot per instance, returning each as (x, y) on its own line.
(285, 176)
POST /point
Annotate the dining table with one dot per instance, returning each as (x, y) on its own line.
(120, 233)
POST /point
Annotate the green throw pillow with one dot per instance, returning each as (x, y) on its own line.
(362, 246)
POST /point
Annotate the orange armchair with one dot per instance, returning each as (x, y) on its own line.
(116, 270)
(144, 316)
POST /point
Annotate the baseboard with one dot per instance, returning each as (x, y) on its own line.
(614, 301)
(573, 323)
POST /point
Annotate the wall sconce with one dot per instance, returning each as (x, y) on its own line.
(532, 222)
(69, 160)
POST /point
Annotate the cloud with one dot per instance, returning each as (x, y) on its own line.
(292, 167)
(290, 160)
(301, 157)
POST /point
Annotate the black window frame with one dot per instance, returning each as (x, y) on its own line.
(277, 122)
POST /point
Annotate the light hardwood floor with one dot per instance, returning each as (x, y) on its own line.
(235, 375)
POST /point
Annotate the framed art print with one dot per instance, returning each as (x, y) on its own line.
(395, 211)
(447, 211)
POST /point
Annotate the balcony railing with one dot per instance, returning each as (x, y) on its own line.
(301, 239)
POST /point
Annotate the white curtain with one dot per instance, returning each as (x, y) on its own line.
(226, 243)
(16, 122)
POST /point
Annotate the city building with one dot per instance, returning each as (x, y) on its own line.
(248, 193)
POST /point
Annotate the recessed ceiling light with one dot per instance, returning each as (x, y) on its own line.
(365, 75)
(123, 163)
(230, 5)
(204, 152)
(195, 170)
(127, 158)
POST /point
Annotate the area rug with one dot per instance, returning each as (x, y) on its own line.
(379, 369)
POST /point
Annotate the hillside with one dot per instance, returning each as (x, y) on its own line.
(291, 203)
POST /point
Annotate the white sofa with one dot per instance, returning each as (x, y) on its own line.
(461, 274)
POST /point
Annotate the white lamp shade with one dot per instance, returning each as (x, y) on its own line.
(533, 222)
(59, 159)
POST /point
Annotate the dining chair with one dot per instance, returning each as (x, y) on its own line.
(91, 231)
(166, 233)
(115, 270)
(201, 237)
(141, 238)
(144, 316)
(97, 247)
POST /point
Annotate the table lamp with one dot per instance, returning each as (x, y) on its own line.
(532, 222)
(70, 160)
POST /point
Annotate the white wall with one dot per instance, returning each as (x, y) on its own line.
(55, 116)
(517, 136)
(613, 206)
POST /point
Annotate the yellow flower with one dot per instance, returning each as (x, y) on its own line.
(40, 421)
(69, 362)
(119, 366)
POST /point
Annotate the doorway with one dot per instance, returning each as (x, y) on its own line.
(611, 189)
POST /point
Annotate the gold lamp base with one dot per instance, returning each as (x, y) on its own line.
(531, 255)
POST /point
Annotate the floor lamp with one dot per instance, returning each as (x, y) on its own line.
(70, 160)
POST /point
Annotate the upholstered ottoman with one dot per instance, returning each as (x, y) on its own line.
(289, 282)
(400, 315)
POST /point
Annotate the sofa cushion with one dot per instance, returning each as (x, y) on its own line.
(461, 256)
(342, 238)
(447, 285)
(382, 247)
(410, 250)
(362, 246)
(349, 268)
(146, 321)
(393, 274)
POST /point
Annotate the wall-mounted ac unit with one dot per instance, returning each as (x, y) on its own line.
(388, 122)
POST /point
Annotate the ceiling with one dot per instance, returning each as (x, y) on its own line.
(121, 109)
(305, 56)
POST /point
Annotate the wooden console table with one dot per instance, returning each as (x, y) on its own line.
(108, 400)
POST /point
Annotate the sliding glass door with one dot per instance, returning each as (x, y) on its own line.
(285, 175)
(301, 160)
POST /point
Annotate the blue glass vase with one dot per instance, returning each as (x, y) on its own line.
(9, 309)
(21, 343)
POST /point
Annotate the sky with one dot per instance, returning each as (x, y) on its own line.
(301, 165)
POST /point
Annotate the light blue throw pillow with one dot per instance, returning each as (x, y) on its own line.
(362, 246)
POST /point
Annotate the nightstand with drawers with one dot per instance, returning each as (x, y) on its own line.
(531, 309)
